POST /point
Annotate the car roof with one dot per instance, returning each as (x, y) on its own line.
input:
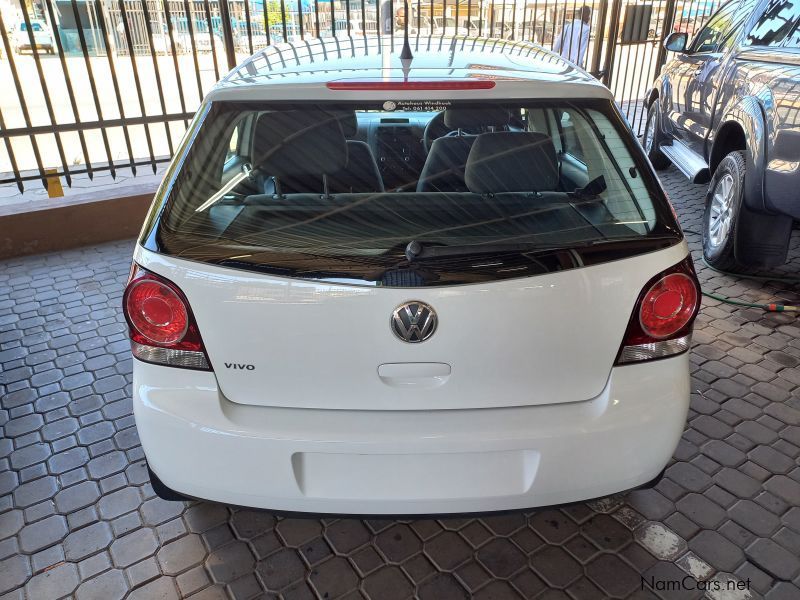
(301, 70)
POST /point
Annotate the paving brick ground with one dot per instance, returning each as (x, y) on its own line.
(78, 518)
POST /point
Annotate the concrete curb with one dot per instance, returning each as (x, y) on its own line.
(60, 224)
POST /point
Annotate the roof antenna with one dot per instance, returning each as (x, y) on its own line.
(405, 54)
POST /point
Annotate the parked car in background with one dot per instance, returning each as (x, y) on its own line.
(205, 41)
(289, 32)
(163, 42)
(693, 14)
(726, 110)
(485, 28)
(39, 30)
(255, 35)
(204, 38)
(368, 27)
(370, 287)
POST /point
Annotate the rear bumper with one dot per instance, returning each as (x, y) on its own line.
(409, 462)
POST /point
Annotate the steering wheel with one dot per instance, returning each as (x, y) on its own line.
(433, 130)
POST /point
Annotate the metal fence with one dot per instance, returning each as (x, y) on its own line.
(105, 85)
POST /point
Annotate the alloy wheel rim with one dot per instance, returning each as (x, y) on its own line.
(721, 218)
(650, 132)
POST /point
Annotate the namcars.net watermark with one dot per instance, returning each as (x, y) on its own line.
(689, 583)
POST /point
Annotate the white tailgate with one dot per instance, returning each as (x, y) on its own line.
(539, 340)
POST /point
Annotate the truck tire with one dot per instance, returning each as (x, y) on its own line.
(653, 137)
(721, 221)
(735, 237)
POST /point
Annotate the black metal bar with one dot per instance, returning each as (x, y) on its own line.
(553, 36)
(364, 21)
(100, 124)
(190, 31)
(669, 20)
(283, 20)
(561, 30)
(45, 90)
(598, 41)
(210, 25)
(646, 75)
(129, 40)
(93, 86)
(104, 30)
(227, 33)
(573, 32)
(626, 83)
(612, 40)
(266, 22)
(300, 18)
(70, 89)
(157, 73)
(379, 22)
(248, 26)
(23, 105)
(174, 48)
(97, 168)
(10, 152)
(627, 86)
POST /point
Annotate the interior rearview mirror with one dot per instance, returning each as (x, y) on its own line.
(676, 41)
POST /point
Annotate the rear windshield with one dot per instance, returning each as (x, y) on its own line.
(401, 193)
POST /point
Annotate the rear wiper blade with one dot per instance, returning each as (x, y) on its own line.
(593, 189)
(416, 250)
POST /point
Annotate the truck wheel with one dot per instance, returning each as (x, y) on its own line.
(723, 210)
(653, 137)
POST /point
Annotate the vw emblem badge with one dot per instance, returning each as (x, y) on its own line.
(414, 321)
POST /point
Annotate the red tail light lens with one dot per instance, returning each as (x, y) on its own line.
(156, 311)
(661, 323)
(160, 322)
(668, 305)
(401, 84)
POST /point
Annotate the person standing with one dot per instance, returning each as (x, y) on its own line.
(573, 42)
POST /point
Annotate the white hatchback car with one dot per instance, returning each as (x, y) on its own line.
(369, 287)
(40, 37)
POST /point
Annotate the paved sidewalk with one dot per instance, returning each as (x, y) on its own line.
(77, 518)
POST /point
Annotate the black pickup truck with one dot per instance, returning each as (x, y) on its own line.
(726, 110)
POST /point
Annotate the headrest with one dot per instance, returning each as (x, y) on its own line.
(299, 142)
(465, 117)
(511, 161)
(349, 123)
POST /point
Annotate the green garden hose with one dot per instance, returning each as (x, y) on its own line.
(771, 307)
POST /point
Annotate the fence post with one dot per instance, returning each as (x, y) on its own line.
(598, 41)
(669, 21)
(613, 32)
(227, 33)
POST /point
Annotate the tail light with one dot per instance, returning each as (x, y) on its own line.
(662, 320)
(161, 325)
